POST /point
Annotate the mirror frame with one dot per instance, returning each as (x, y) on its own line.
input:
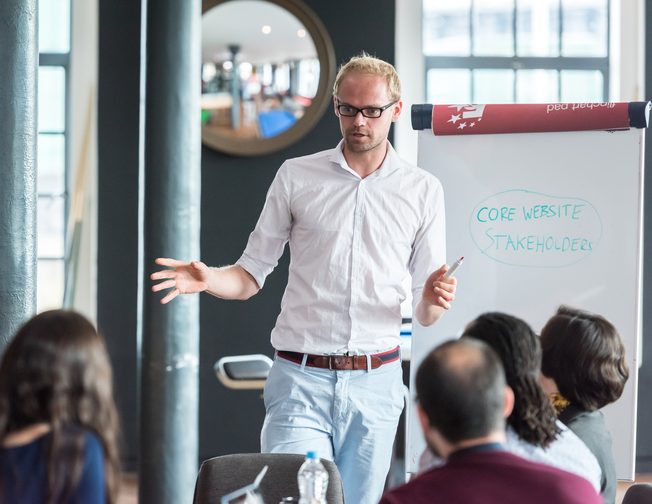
(313, 113)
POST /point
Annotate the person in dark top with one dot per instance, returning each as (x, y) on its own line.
(583, 369)
(463, 400)
(58, 420)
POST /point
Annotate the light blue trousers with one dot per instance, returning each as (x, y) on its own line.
(349, 417)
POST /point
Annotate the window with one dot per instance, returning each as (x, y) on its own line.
(516, 51)
(308, 78)
(52, 157)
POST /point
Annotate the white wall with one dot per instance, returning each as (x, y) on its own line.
(83, 145)
(410, 66)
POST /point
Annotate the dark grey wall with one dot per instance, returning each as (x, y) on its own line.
(644, 420)
(118, 140)
(233, 192)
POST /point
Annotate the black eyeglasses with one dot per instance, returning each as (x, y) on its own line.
(370, 112)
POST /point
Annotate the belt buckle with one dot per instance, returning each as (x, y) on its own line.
(339, 360)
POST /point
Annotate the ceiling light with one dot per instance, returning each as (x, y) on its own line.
(301, 33)
(266, 29)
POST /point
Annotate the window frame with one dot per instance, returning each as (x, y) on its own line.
(58, 60)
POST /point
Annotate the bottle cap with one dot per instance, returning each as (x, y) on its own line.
(311, 455)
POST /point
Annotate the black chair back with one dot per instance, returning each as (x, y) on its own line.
(221, 475)
(639, 493)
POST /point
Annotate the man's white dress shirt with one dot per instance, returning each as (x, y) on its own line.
(352, 243)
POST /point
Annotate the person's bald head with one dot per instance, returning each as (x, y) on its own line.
(461, 389)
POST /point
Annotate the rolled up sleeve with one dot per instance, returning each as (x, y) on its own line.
(272, 231)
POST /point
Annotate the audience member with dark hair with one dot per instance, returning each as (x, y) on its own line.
(58, 420)
(463, 399)
(584, 369)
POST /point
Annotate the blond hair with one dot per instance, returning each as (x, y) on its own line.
(366, 64)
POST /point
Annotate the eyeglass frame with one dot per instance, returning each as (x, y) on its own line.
(361, 110)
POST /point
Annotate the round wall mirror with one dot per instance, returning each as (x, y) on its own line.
(267, 74)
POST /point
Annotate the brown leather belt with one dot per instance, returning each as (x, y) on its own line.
(342, 362)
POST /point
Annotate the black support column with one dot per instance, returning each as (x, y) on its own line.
(169, 365)
(18, 79)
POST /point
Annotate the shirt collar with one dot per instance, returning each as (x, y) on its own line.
(485, 447)
(569, 413)
(391, 163)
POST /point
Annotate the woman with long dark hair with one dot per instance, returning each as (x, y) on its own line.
(58, 420)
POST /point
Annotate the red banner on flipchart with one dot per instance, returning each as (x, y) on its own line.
(524, 118)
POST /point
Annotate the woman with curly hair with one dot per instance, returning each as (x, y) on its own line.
(58, 420)
(584, 369)
(532, 429)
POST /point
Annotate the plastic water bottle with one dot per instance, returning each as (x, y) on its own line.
(313, 480)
